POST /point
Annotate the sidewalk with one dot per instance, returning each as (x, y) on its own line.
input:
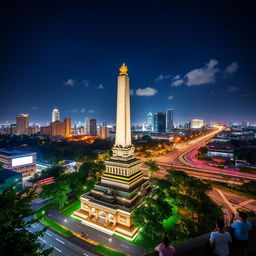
(96, 235)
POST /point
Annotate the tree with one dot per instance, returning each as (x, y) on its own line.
(249, 187)
(152, 167)
(150, 216)
(54, 171)
(15, 237)
(58, 192)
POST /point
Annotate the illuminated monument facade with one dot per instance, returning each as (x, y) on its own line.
(108, 206)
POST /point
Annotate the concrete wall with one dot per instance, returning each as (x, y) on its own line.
(199, 246)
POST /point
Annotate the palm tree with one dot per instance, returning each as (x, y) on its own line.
(152, 167)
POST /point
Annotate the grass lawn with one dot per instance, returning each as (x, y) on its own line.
(43, 210)
(234, 191)
(70, 208)
(102, 250)
(50, 223)
(54, 225)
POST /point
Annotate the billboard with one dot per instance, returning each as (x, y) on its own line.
(22, 160)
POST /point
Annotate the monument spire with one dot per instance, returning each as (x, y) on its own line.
(123, 122)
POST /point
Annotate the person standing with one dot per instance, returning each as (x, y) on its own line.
(165, 249)
(220, 240)
(241, 233)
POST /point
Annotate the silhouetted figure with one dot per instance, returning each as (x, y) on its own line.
(220, 240)
(165, 249)
(241, 232)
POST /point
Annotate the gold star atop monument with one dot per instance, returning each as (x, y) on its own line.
(123, 70)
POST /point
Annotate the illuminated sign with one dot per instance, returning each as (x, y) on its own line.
(22, 160)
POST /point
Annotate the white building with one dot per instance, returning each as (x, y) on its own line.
(196, 123)
(55, 115)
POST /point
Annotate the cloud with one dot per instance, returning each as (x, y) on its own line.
(148, 91)
(178, 82)
(86, 83)
(170, 97)
(204, 75)
(131, 92)
(162, 77)
(34, 108)
(176, 77)
(70, 82)
(100, 87)
(232, 89)
(82, 110)
(91, 111)
(231, 69)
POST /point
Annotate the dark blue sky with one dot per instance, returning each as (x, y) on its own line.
(197, 57)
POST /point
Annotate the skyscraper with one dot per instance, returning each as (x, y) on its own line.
(22, 124)
(103, 132)
(159, 122)
(91, 128)
(109, 204)
(197, 123)
(55, 115)
(68, 124)
(169, 120)
(58, 129)
(150, 122)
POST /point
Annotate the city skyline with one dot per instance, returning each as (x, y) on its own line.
(200, 66)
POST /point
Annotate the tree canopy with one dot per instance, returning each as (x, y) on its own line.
(14, 235)
(77, 183)
(183, 208)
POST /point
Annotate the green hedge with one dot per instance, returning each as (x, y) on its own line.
(54, 225)
(102, 250)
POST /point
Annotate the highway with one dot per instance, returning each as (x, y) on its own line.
(61, 245)
(231, 202)
(183, 158)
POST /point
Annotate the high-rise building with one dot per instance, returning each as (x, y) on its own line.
(58, 129)
(169, 120)
(196, 123)
(91, 128)
(159, 122)
(45, 130)
(187, 125)
(55, 115)
(22, 124)
(109, 204)
(103, 132)
(150, 122)
(68, 125)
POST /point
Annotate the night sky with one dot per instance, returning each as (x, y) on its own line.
(197, 57)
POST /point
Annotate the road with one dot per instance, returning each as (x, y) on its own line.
(183, 158)
(231, 202)
(96, 235)
(62, 246)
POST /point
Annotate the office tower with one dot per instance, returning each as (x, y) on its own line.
(103, 132)
(187, 125)
(55, 115)
(109, 204)
(150, 122)
(45, 130)
(169, 120)
(91, 128)
(22, 124)
(58, 129)
(159, 122)
(196, 123)
(68, 125)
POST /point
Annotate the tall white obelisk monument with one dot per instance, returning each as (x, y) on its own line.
(123, 145)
